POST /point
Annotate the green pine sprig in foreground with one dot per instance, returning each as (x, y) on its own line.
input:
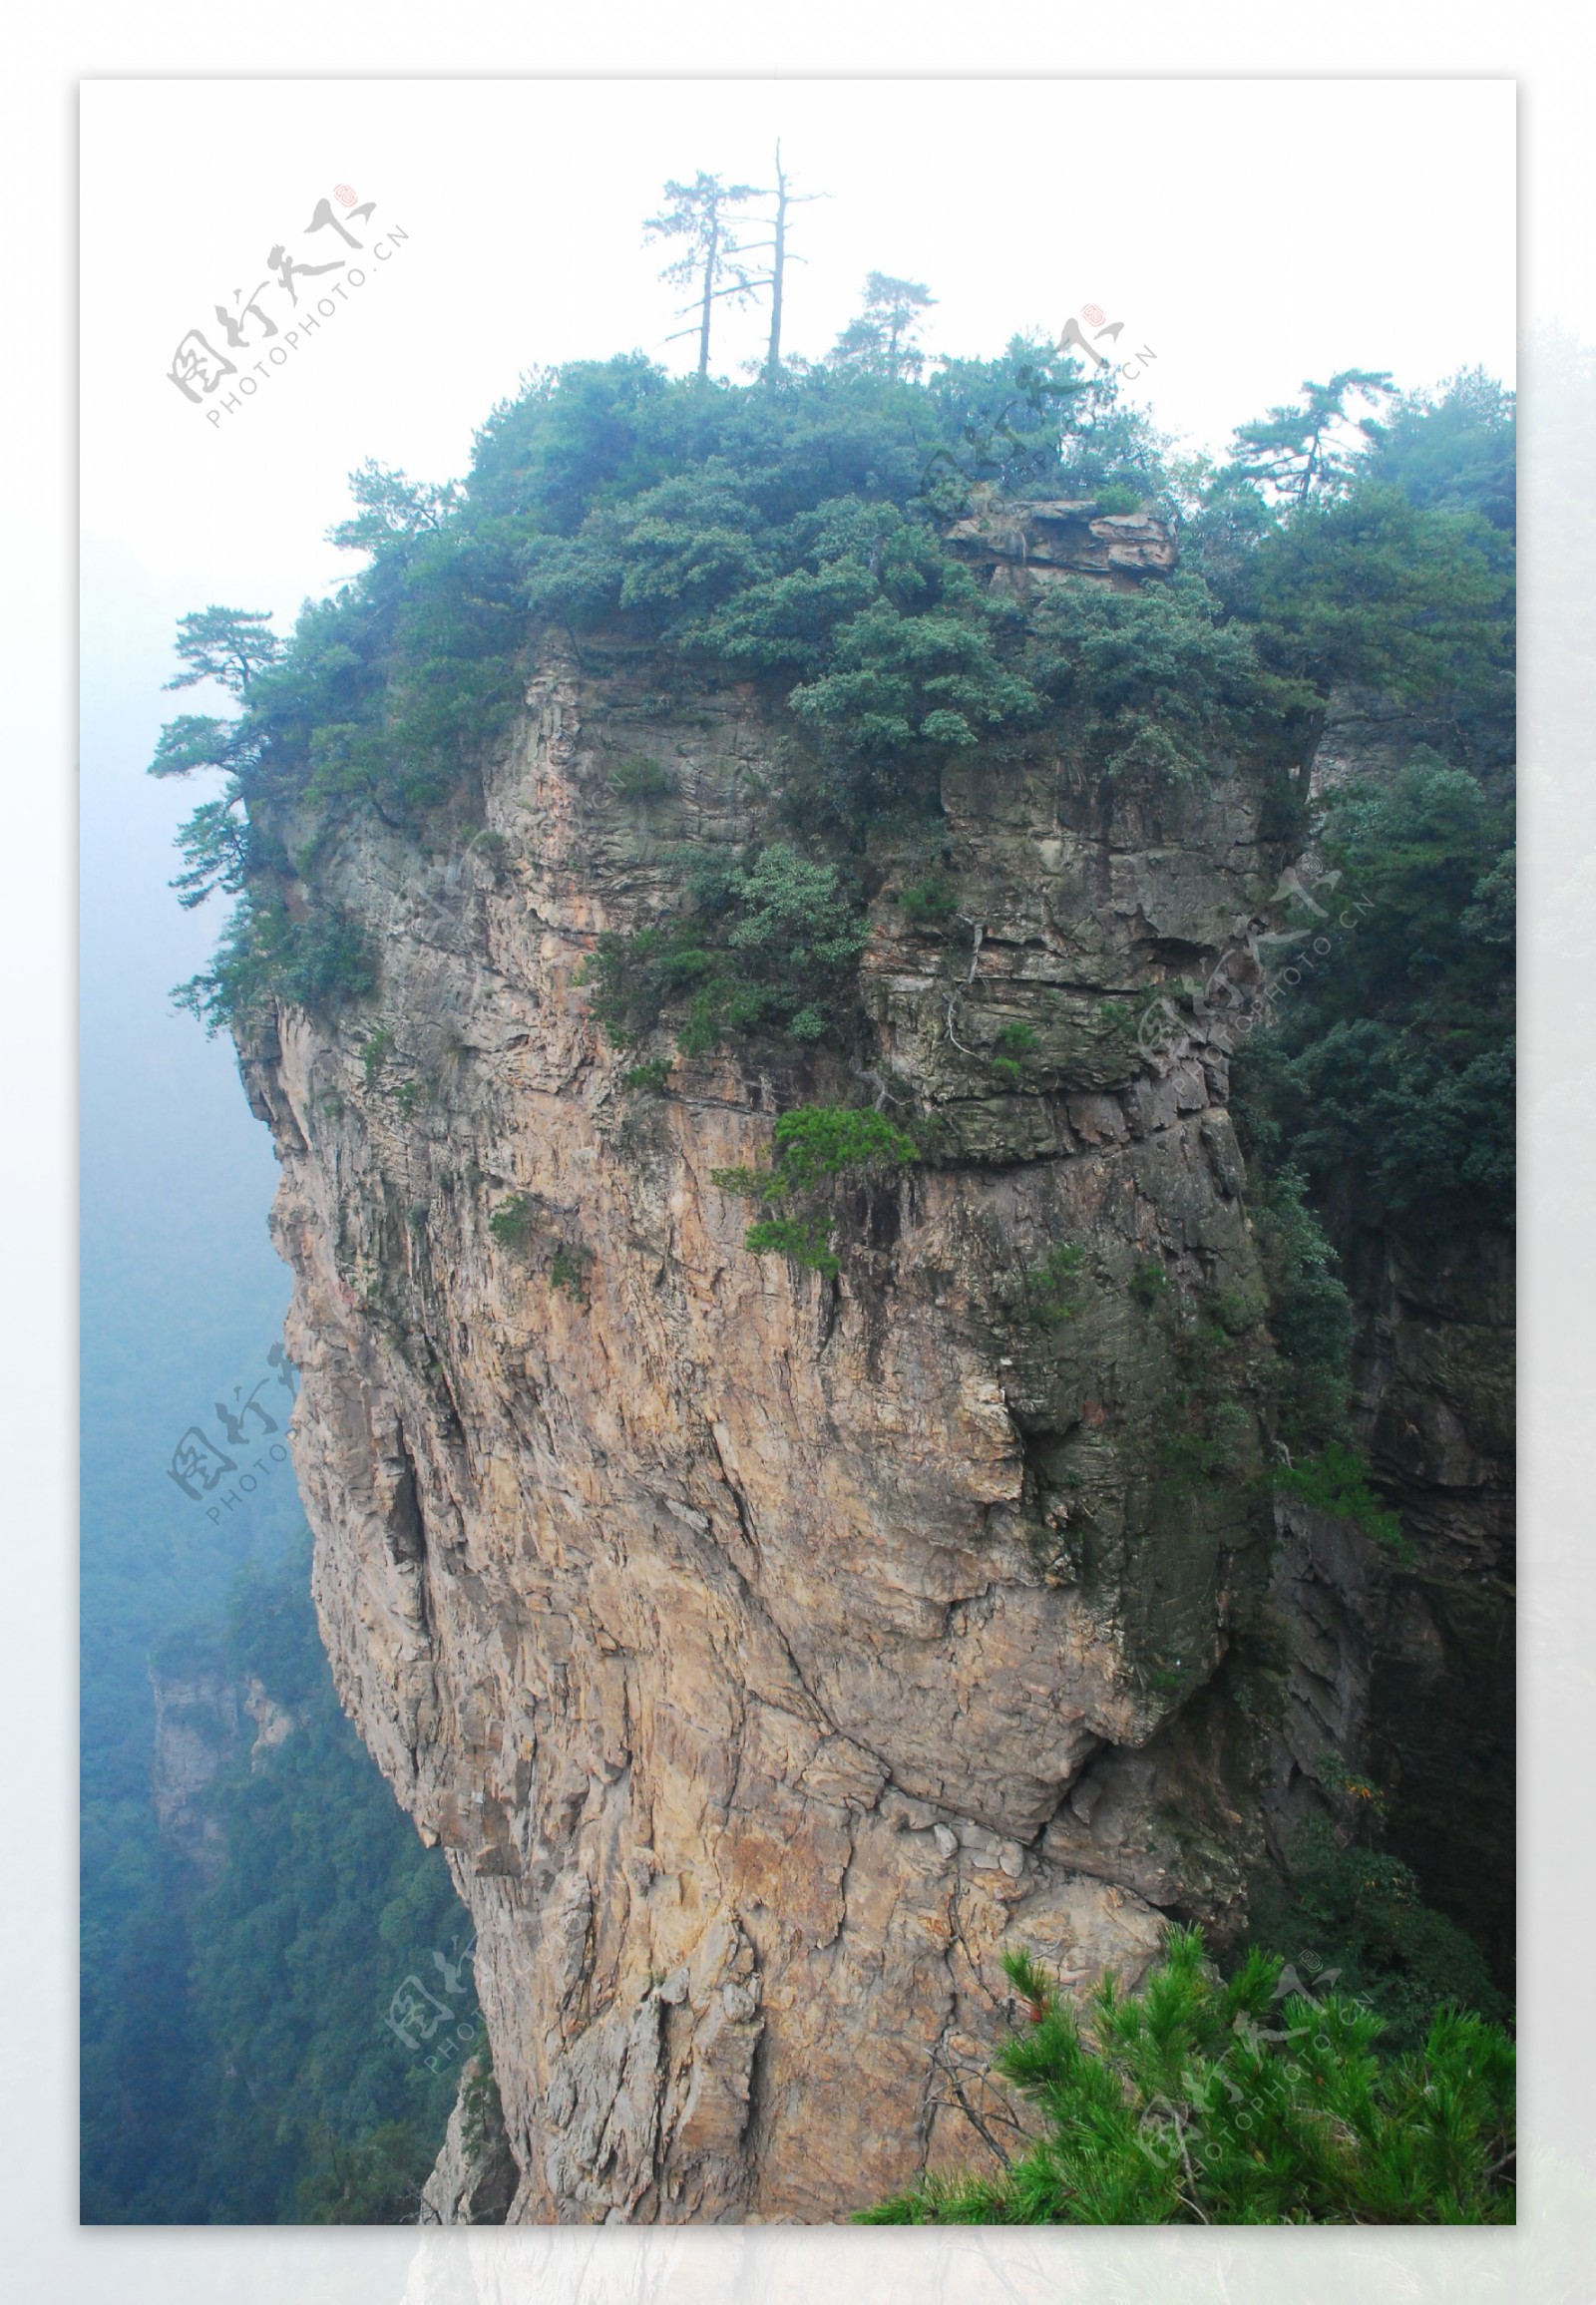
(1199, 2101)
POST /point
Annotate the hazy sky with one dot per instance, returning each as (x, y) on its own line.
(1251, 234)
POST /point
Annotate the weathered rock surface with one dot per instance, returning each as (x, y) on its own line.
(768, 1653)
(1030, 545)
(474, 2180)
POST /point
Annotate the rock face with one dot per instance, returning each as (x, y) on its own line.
(1028, 545)
(768, 1651)
(475, 2177)
(196, 1735)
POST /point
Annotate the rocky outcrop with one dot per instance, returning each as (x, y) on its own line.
(474, 2180)
(769, 1651)
(1025, 546)
(204, 1717)
(196, 1735)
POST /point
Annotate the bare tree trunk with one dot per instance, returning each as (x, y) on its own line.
(709, 289)
(777, 269)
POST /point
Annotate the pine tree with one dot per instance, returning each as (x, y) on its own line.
(879, 340)
(1199, 2101)
(701, 214)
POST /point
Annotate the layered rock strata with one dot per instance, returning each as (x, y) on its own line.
(769, 1651)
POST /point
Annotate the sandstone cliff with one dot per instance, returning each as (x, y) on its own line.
(768, 1651)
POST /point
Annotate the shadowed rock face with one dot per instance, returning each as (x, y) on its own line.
(748, 1638)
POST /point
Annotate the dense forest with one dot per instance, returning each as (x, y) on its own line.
(239, 2066)
(794, 533)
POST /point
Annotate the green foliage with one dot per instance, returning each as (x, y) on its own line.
(394, 513)
(1152, 682)
(260, 2001)
(1013, 1045)
(1337, 1481)
(480, 2106)
(806, 1241)
(1197, 2100)
(929, 903)
(1148, 1283)
(767, 948)
(321, 964)
(900, 682)
(637, 778)
(376, 2181)
(514, 1224)
(647, 1079)
(1236, 1312)
(1372, 1934)
(568, 1270)
(228, 645)
(1118, 497)
(814, 1145)
(819, 1141)
(375, 1054)
(1374, 589)
(1452, 454)
(1310, 1313)
(1394, 1060)
(879, 341)
(1053, 1287)
(1298, 453)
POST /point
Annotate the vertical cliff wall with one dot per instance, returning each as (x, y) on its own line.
(768, 1649)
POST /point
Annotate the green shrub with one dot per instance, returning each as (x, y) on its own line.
(375, 2181)
(514, 1223)
(1236, 1312)
(813, 1145)
(1116, 497)
(635, 778)
(319, 964)
(647, 1079)
(1371, 1933)
(1052, 1288)
(1148, 1283)
(568, 1271)
(1310, 1313)
(1337, 1481)
(927, 904)
(822, 1140)
(1196, 2100)
(806, 1243)
(374, 1055)
(769, 947)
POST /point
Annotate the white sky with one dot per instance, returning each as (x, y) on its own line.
(1252, 233)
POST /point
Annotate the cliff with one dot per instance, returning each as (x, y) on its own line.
(768, 1649)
